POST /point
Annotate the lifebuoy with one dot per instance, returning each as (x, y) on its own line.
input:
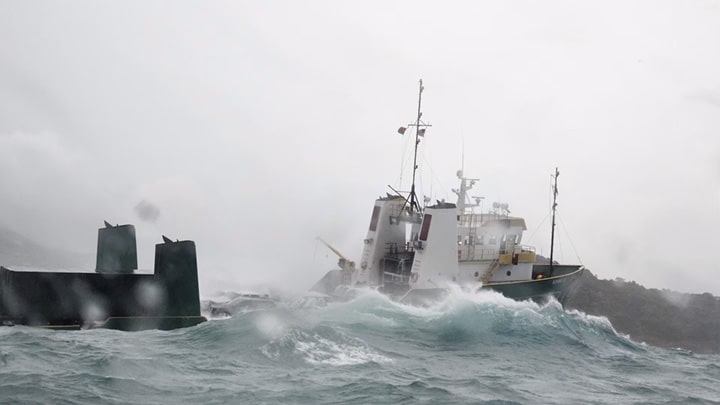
(414, 277)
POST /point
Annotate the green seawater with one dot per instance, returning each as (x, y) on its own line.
(466, 349)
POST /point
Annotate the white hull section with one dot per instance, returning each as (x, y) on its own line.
(436, 257)
(384, 232)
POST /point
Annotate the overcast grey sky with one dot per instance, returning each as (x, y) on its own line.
(256, 126)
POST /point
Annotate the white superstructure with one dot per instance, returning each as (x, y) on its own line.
(409, 250)
(452, 244)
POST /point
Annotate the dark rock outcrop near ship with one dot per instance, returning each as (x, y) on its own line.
(661, 318)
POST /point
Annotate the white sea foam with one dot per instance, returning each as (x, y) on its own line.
(320, 350)
(270, 325)
(599, 321)
(314, 348)
(458, 296)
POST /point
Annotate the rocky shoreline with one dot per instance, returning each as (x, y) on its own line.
(661, 318)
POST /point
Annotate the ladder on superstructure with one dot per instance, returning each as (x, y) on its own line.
(490, 272)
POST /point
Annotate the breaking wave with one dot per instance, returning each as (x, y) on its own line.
(465, 348)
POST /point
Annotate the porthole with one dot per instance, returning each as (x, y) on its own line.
(508, 273)
(477, 274)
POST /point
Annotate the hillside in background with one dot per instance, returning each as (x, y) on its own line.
(657, 317)
(17, 250)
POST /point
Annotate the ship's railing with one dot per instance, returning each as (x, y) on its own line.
(477, 254)
(479, 219)
(470, 253)
(395, 278)
(393, 250)
(516, 249)
(525, 248)
(467, 219)
(396, 210)
(399, 213)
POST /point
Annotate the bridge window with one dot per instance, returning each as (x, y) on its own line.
(374, 218)
(425, 227)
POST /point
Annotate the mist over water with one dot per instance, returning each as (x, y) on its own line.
(466, 348)
(253, 127)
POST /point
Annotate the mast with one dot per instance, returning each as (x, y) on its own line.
(412, 198)
(554, 205)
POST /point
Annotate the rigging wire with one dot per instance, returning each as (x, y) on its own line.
(538, 228)
(570, 239)
(549, 208)
(558, 244)
(433, 176)
(404, 149)
(550, 196)
(315, 252)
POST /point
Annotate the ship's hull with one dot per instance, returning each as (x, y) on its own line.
(558, 285)
(555, 281)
